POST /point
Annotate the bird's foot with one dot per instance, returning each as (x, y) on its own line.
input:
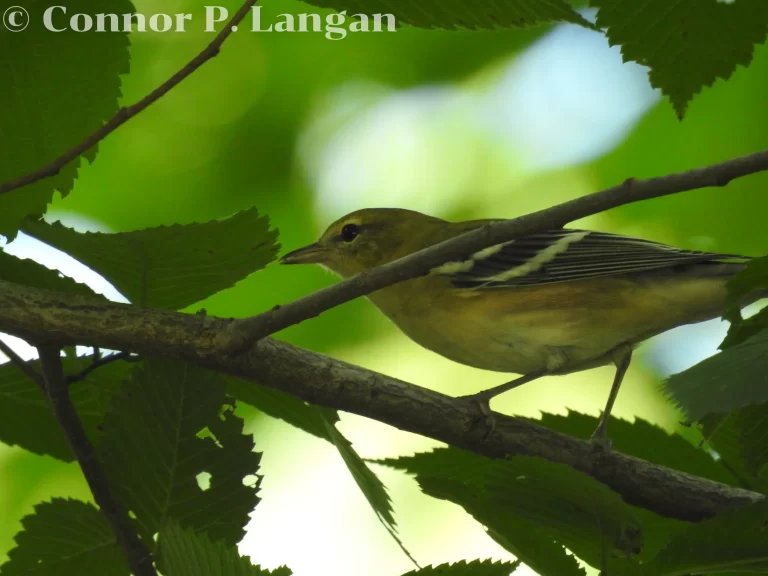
(600, 441)
(483, 402)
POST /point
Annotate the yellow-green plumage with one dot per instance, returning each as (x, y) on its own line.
(561, 327)
(554, 303)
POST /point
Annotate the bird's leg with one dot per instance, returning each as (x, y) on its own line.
(490, 393)
(483, 399)
(622, 357)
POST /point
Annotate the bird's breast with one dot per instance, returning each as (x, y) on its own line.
(559, 327)
(468, 330)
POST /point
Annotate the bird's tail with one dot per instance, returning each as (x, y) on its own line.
(719, 269)
(733, 268)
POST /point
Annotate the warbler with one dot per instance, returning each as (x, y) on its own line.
(552, 303)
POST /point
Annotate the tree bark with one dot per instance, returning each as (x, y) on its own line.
(42, 316)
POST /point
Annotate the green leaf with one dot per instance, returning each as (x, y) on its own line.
(25, 416)
(456, 14)
(754, 277)
(463, 568)
(188, 554)
(745, 329)
(320, 422)
(657, 532)
(532, 546)
(529, 504)
(687, 44)
(734, 378)
(65, 538)
(170, 266)
(30, 273)
(81, 75)
(753, 430)
(581, 511)
(153, 453)
(738, 438)
(286, 407)
(752, 280)
(647, 441)
(370, 485)
(373, 489)
(528, 542)
(736, 540)
(453, 463)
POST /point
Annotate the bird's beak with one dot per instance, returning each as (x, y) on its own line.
(312, 254)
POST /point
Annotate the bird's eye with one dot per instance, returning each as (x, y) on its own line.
(349, 232)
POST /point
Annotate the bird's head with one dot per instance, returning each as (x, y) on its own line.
(365, 239)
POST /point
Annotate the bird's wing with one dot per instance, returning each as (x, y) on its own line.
(564, 255)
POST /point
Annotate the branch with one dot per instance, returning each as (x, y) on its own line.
(99, 362)
(137, 554)
(24, 366)
(126, 113)
(245, 332)
(48, 316)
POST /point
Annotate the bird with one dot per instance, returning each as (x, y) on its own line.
(550, 303)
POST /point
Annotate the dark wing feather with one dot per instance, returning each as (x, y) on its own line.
(565, 255)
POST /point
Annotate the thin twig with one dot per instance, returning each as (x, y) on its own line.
(248, 330)
(35, 376)
(138, 556)
(32, 313)
(100, 362)
(23, 365)
(126, 113)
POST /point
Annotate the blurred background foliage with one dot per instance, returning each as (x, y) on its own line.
(458, 124)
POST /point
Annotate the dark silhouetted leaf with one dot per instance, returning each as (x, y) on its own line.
(286, 407)
(657, 532)
(534, 546)
(25, 416)
(320, 422)
(65, 538)
(153, 453)
(30, 273)
(745, 329)
(81, 75)
(453, 14)
(371, 486)
(752, 280)
(186, 553)
(734, 378)
(734, 541)
(530, 506)
(738, 438)
(474, 568)
(454, 463)
(687, 44)
(170, 266)
(577, 508)
(647, 441)
(529, 544)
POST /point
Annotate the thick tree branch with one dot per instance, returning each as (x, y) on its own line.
(66, 319)
(245, 332)
(126, 113)
(137, 554)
